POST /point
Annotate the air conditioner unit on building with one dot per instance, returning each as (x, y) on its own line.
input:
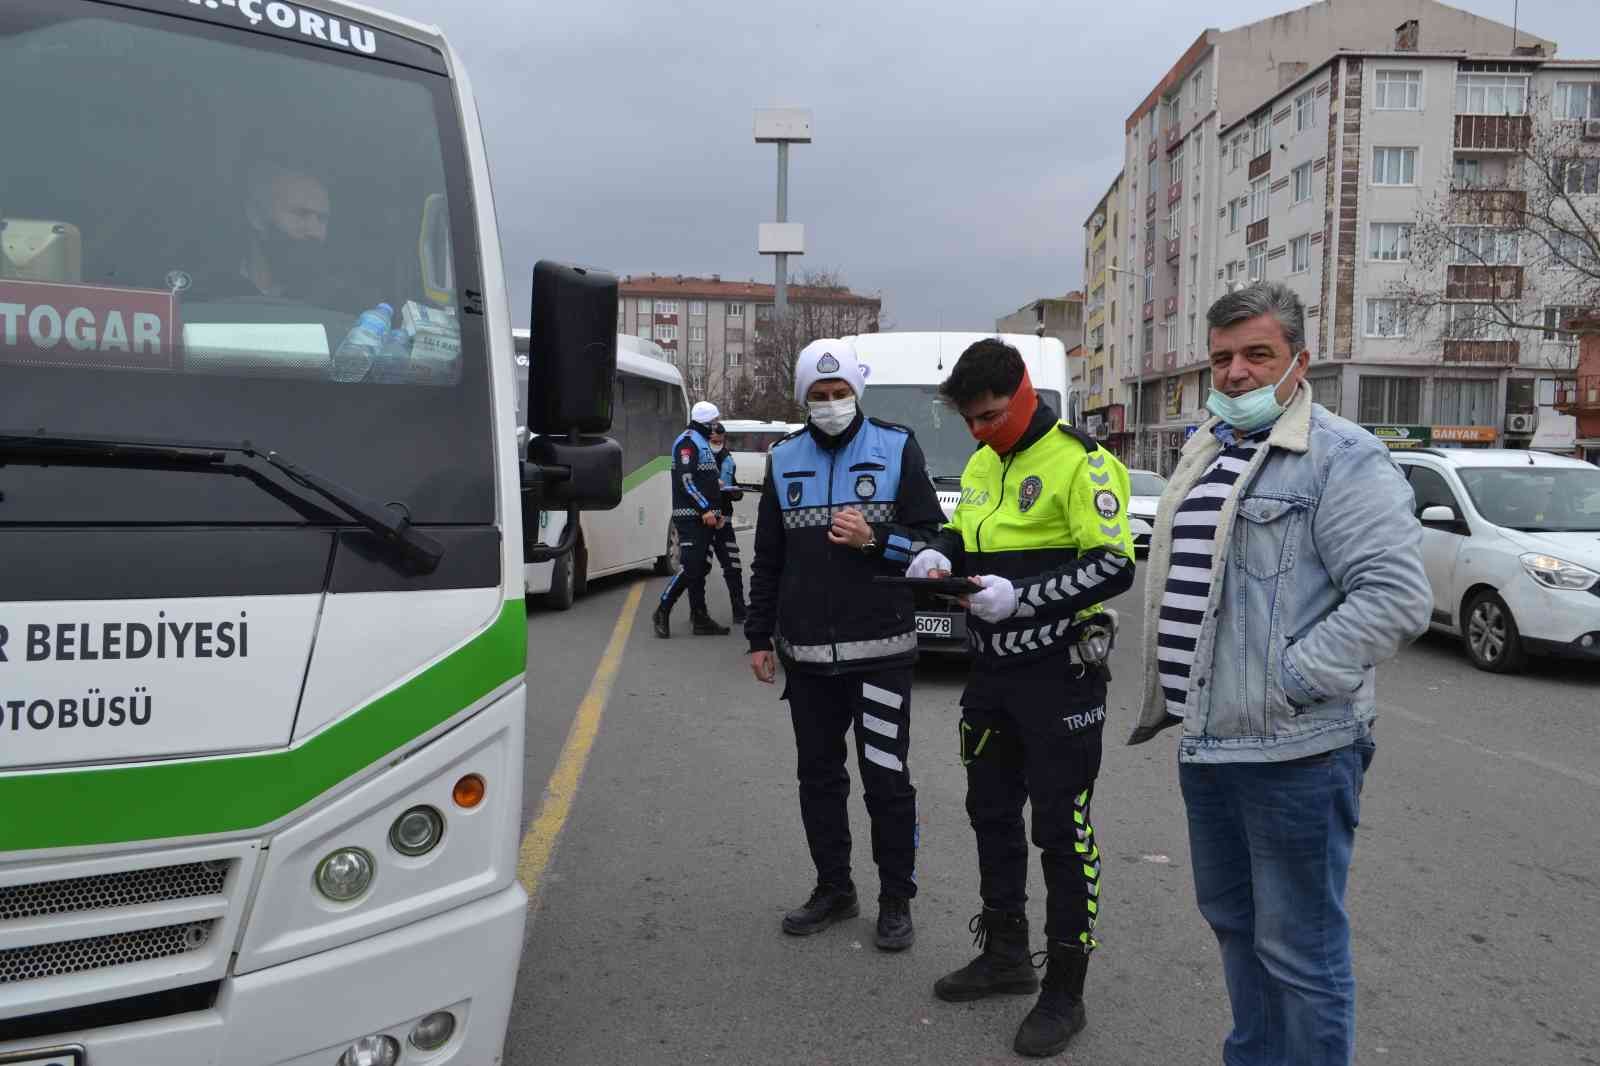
(1520, 423)
(1591, 129)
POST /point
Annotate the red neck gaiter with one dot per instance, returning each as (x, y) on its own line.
(1003, 433)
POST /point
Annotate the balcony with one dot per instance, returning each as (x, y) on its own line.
(1150, 204)
(1170, 306)
(1174, 136)
(1493, 133)
(1483, 353)
(1154, 149)
(1174, 248)
(1480, 206)
(1150, 254)
(1149, 310)
(1175, 192)
(1255, 232)
(1579, 397)
(1471, 282)
(1261, 164)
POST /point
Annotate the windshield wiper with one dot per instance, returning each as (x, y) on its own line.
(391, 523)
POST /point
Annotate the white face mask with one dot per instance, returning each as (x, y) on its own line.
(832, 417)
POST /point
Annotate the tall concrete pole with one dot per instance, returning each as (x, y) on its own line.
(780, 279)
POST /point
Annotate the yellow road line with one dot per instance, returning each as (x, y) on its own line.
(539, 843)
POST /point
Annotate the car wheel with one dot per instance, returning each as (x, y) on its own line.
(672, 561)
(1491, 635)
(563, 588)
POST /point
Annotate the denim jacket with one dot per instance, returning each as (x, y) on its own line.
(1316, 577)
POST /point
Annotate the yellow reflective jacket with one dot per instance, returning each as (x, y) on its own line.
(1052, 518)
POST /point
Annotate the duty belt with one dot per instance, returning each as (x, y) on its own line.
(851, 650)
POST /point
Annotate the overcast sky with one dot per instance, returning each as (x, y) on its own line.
(959, 146)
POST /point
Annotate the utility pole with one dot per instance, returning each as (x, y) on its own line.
(781, 239)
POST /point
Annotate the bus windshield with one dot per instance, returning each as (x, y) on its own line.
(195, 217)
(945, 442)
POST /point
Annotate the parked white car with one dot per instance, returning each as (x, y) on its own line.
(1144, 494)
(1511, 543)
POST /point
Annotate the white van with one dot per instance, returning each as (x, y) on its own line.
(749, 441)
(650, 409)
(904, 371)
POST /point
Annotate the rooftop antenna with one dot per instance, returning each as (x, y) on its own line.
(1516, 11)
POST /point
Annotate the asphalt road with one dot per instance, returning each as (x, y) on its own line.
(654, 933)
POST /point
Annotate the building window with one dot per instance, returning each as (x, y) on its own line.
(1197, 88)
(1149, 337)
(666, 307)
(735, 310)
(1258, 199)
(1235, 209)
(1554, 319)
(1325, 390)
(763, 312)
(1578, 176)
(644, 331)
(734, 357)
(1260, 131)
(1463, 402)
(1097, 379)
(697, 333)
(1385, 318)
(1300, 254)
(1390, 401)
(697, 357)
(1389, 241)
(666, 333)
(1398, 90)
(644, 307)
(622, 314)
(1474, 322)
(1257, 266)
(1175, 222)
(697, 309)
(1149, 284)
(1236, 152)
(1577, 99)
(1302, 183)
(1305, 111)
(1175, 166)
(1486, 246)
(1492, 94)
(1171, 326)
(1394, 166)
(1191, 331)
(1466, 174)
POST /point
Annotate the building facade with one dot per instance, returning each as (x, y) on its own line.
(708, 327)
(1104, 267)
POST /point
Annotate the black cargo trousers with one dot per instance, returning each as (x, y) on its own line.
(1042, 747)
(694, 558)
(877, 703)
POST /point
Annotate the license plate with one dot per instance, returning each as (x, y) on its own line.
(933, 625)
(61, 1056)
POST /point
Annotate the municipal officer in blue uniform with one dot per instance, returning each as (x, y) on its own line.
(696, 514)
(724, 541)
(845, 499)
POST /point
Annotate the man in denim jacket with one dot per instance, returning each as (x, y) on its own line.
(1285, 565)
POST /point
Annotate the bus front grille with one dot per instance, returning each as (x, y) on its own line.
(125, 888)
(97, 952)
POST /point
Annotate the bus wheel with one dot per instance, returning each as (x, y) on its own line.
(563, 583)
(580, 568)
(668, 564)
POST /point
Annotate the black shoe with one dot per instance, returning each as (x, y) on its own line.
(738, 610)
(662, 620)
(895, 932)
(705, 626)
(1059, 1015)
(1003, 968)
(828, 904)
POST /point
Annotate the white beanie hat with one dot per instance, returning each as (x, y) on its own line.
(705, 412)
(825, 358)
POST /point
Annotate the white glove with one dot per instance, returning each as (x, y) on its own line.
(927, 559)
(996, 602)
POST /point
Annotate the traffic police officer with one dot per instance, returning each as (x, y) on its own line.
(696, 513)
(845, 499)
(723, 539)
(1042, 531)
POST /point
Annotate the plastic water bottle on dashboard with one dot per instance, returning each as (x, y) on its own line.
(359, 349)
(393, 366)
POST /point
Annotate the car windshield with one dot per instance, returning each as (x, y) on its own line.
(195, 215)
(939, 428)
(1536, 499)
(1141, 483)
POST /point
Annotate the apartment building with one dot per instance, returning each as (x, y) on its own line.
(1105, 411)
(1173, 169)
(1323, 186)
(708, 326)
(1060, 317)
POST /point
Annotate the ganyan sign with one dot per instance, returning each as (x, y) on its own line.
(1403, 436)
(1464, 434)
(87, 326)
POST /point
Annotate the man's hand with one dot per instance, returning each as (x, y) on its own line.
(711, 519)
(928, 563)
(996, 601)
(849, 528)
(764, 665)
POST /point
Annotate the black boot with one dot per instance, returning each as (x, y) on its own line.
(738, 609)
(828, 904)
(895, 932)
(1003, 968)
(662, 620)
(1057, 1017)
(705, 626)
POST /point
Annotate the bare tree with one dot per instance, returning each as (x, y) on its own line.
(1510, 250)
(820, 305)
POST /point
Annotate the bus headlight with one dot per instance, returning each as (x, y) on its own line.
(344, 875)
(434, 1031)
(372, 1051)
(417, 831)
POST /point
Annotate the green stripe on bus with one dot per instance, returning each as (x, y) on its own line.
(658, 465)
(152, 801)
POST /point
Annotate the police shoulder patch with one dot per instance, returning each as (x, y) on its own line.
(1105, 502)
(1085, 439)
(883, 424)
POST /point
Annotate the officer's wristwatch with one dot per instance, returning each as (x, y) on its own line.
(872, 543)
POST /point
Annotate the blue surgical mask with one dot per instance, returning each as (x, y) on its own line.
(1255, 410)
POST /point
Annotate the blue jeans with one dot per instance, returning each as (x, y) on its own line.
(1271, 845)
